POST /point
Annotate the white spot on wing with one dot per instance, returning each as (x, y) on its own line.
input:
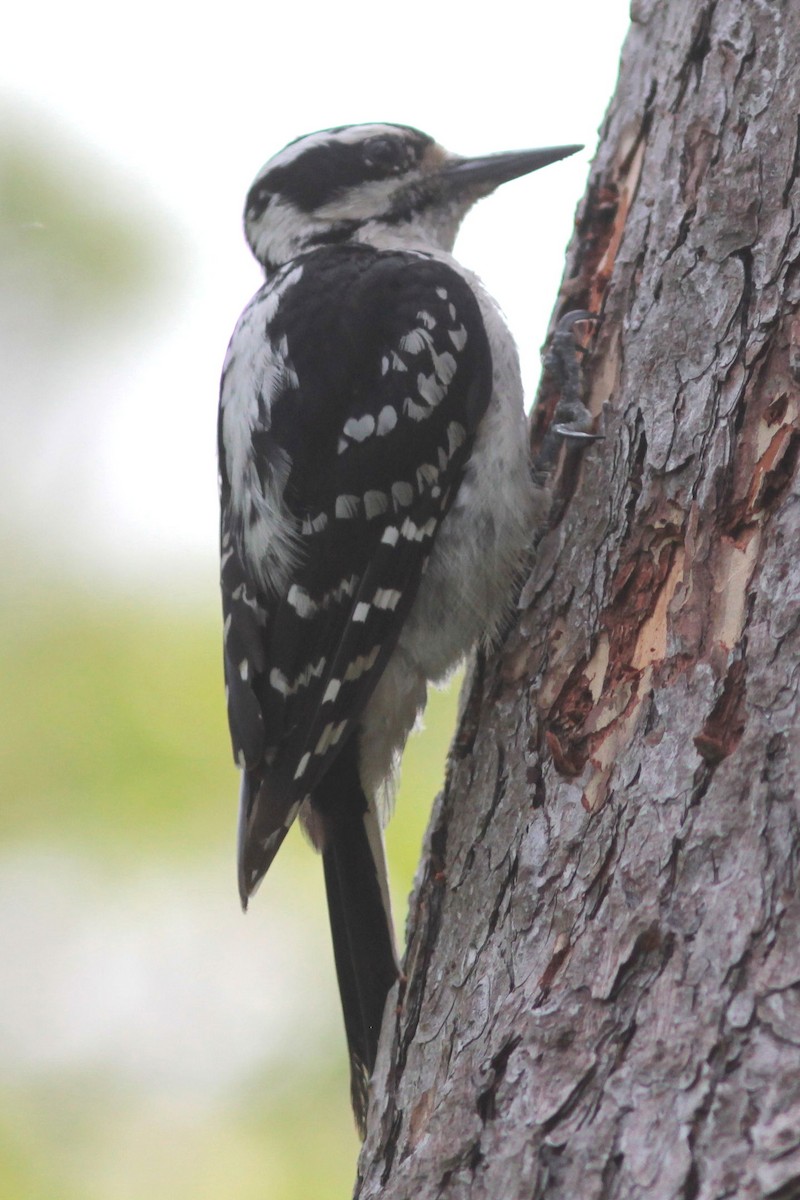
(458, 337)
(402, 494)
(301, 766)
(331, 691)
(456, 436)
(430, 389)
(415, 341)
(285, 687)
(324, 739)
(417, 412)
(359, 428)
(386, 598)
(445, 367)
(418, 533)
(364, 662)
(314, 524)
(375, 503)
(347, 506)
(387, 419)
(361, 612)
(301, 602)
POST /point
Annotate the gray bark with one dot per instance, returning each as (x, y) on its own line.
(603, 970)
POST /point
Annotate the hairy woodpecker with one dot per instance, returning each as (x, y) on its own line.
(376, 505)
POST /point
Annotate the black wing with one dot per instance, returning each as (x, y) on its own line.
(384, 373)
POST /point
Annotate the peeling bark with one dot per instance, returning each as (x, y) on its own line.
(603, 968)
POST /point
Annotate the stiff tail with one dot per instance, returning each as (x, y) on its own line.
(361, 922)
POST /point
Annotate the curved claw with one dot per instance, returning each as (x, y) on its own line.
(569, 319)
(577, 435)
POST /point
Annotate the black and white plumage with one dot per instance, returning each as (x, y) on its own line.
(376, 504)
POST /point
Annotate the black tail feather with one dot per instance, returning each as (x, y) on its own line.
(363, 940)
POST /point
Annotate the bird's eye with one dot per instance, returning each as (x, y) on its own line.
(385, 153)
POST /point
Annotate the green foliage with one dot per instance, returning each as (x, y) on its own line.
(66, 225)
(115, 748)
(114, 723)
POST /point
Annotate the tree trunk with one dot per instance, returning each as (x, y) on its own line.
(603, 995)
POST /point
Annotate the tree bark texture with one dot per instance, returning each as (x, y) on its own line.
(603, 968)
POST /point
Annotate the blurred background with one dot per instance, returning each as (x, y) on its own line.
(153, 1041)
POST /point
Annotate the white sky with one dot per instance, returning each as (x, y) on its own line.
(184, 105)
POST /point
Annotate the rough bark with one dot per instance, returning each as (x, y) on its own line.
(603, 995)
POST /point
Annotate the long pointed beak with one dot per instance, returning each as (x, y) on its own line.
(490, 170)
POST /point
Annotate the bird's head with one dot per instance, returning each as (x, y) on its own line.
(379, 184)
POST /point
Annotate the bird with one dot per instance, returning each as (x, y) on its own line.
(377, 506)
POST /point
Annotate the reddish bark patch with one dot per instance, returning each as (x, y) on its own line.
(723, 730)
